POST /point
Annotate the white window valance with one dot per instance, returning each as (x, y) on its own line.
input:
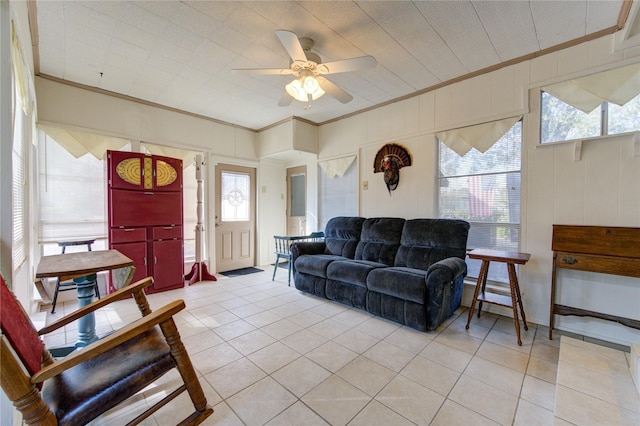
(336, 167)
(78, 143)
(185, 155)
(481, 136)
(586, 93)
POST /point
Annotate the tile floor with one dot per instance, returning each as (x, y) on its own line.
(269, 354)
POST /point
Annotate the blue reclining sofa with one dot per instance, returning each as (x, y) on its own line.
(407, 271)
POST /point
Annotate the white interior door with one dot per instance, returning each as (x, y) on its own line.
(235, 217)
(297, 200)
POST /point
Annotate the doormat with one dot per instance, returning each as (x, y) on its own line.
(241, 271)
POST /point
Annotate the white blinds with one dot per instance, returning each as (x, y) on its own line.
(481, 136)
(586, 93)
(78, 143)
(336, 167)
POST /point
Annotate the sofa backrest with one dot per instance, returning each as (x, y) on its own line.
(380, 239)
(342, 234)
(426, 241)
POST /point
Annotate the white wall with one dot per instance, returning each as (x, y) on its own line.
(603, 188)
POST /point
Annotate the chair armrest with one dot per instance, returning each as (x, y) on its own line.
(137, 287)
(109, 342)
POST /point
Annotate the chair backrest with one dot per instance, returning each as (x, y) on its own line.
(19, 330)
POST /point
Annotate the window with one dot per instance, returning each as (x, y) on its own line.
(484, 189)
(605, 103)
(235, 193)
(561, 121)
(19, 189)
(72, 196)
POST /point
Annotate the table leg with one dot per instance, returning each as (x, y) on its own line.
(86, 324)
(482, 280)
(513, 283)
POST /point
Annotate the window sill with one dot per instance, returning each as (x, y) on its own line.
(577, 143)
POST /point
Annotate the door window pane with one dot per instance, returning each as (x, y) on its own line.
(234, 191)
(298, 184)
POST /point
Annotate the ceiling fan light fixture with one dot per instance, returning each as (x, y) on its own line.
(301, 88)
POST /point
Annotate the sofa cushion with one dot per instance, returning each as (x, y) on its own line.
(426, 241)
(342, 234)
(315, 265)
(399, 282)
(352, 271)
(380, 239)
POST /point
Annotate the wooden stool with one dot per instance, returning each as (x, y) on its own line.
(511, 259)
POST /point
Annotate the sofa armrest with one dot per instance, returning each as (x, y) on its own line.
(298, 249)
(444, 284)
(447, 269)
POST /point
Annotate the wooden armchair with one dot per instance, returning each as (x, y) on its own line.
(80, 387)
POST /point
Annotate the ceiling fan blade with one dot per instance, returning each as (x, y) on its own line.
(292, 45)
(353, 64)
(335, 91)
(264, 71)
(285, 100)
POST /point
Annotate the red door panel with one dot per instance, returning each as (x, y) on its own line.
(167, 174)
(168, 268)
(136, 252)
(125, 170)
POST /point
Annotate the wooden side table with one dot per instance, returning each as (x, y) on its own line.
(515, 301)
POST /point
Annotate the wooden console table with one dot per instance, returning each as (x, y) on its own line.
(602, 249)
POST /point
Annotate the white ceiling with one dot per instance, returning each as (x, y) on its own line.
(181, 53)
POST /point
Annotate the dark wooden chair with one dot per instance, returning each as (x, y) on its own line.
(80, 387)
(283, 249)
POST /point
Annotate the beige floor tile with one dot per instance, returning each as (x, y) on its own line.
(306, 318)
(336, 401)
(413, 401)
(301, 375)
(475, 330)
(509, 340)
(366, 375)
(352, 317)
(332, 356)
(453, 414)
(261, 401)
(281, 329)
(431, 375)
(538, 392)
(297, 414)
(445, 355)
(410, 340)
(377, 327)
(530, 414)
(355, 340)
(499, 377)
(329, 328)
(251, 342)
(617, 390)
(484, 399)
(233, 329)
(504, 356)
(234, 377)
(223, 415)
(214, 358)
(596, 358)
(458, 340)
(581, 409)
(391, 356)
(273, 357)
(376, 414)
(304, 341)
(221, 318)
(545, 351)
(263, 318)
(542, 369)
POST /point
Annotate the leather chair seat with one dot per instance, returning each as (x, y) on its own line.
(106, 380)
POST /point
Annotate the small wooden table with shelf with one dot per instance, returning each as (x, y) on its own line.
(481, 295)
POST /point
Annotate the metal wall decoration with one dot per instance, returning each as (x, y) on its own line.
(390, 159)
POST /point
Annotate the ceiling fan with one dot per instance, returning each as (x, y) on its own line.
(308, 69)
